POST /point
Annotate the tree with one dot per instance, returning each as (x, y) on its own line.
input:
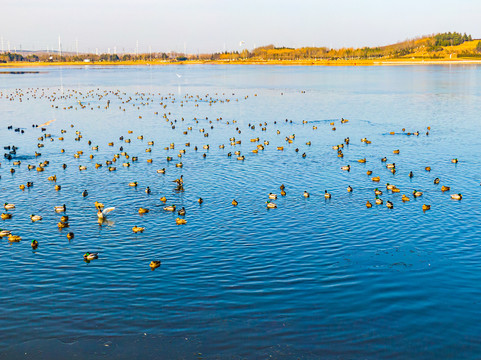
(478, 47)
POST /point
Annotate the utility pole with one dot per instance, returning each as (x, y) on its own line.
(59, 46)
(76, 45)
(2, 46)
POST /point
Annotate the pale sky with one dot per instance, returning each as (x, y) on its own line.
(212, 25)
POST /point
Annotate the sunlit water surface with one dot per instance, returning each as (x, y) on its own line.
(313, 278)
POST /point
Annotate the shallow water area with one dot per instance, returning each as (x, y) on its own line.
(311, 278)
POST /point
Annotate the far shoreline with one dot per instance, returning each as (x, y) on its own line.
(392, 62)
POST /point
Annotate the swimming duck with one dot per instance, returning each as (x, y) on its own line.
(405, 198)
(234, 202)
(454, 161)
(98, 205)
(70, 235)
(376, 179)
(170, 208)
(5, 216)
(445, 188)
(62, 208)
(368, 204)
(133, 184)
(327, 195)
(147, 190)
(389, 204)
(396, 151)
(4, 233)
(57, 187)
(64, 218)
(306, 194)
(456, 196)
(427, 168)
(34, 244)
(22, 187)
(390, 186)
(272, 196)
(91, 256)
(200, 201)
(377, 191)
(346, 167)
(85, 193)
(62, 225)
(369, 172)
(161, 171)
(180, 221)
(282, 187)
(283, 193)
(181, 212)
(102, 214)
(361, 160)
(35, 218)
(411, 174)
(143, 211)
(14, 238)
(8, 206)
(436, 181)
(163, 199)
(138, 229)
(349, 188)
(417, 193)
(378, 201)
(391, 166)
(270, 205)
(384, 159)
(154, 264)
(426, 207)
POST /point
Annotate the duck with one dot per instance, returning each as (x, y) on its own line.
(405, 198)
(390, 186)
(395, 151)
(427, 168)
(163, 199)
(384, 159)
(138, 229)
(154, 264)
(445, 188)
(454, 161)
(64, 218)
(143, 211)
(377, 191)
(346, 168)
(180, 221)
(62, 225)
(456, 196)
(426, 207)
(283, 193)
(14, 238)
(61, 208)
(272, 196)
(200, 201)
(57, 187)
(85, 193)
(436, 181)
(5, 216)
(361, 160)
(282, 187)
(35, 218)
(4, 233)
(368, 204)
(52, 178)
(306, 194)
(391, 166)
(270, 205)
(102, 214)
(369, 172)
(70, 235)
(411, 174)
(327, 195)
(378, 201)
(417, 193)
(147, 190)
(98, 205)
(389, 204)
(234, 202)
(181, 212)
(34, 244)
(8, 206)
(170, 208)
(22, 187)
(133, 184)
(161, 171)
(91, 256)
(376, 179)
(349, 188)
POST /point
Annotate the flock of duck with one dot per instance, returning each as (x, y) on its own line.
(121, 158)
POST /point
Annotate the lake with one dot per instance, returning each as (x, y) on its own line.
(312, 278)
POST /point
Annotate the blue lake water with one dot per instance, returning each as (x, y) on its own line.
(313, 278)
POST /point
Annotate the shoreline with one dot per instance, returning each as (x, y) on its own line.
(236, 62)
